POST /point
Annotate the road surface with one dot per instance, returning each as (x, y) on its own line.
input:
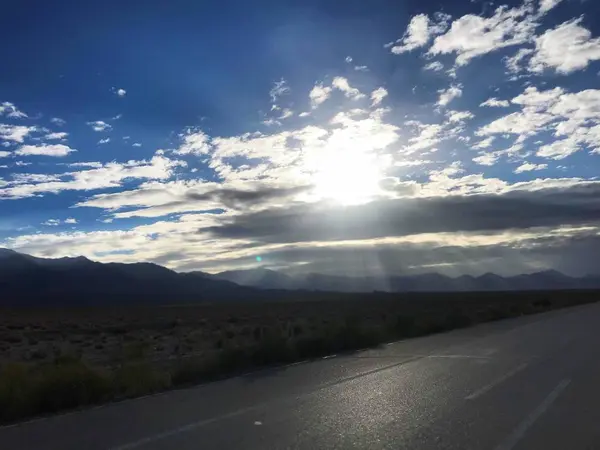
(525, 383)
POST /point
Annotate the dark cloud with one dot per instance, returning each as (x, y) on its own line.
(400, 217)
(572, 254)
(236, 198)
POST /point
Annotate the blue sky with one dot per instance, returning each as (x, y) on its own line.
(360, 138)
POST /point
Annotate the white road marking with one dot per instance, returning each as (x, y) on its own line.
(188, 427)
(258, 422)
(329, 356)
(496, 382)
(458, 356)
(518, 433)
(201, 423)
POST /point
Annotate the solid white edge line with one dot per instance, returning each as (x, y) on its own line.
(496, 382)
(517, 434)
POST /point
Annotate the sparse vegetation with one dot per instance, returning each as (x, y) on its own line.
(153, 349)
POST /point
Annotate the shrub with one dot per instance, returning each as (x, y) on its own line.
(67, 385)
(15, 392)
(137, 379)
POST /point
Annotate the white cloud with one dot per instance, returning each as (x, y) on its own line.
(513, 63)
(487, 159)
(109, 175)
(343, 85)
(57, 222)
(136, 144)
(558, 149)
(4, 154)
(447, 95)
(435, 66)
(10, 110)
(195, 142)
(566, 49)
(270, 122)
(459, 116)
(472, 36)
(121, 92)
(348, 59)
(319, 94)
(279, 88)
(15, 133)
(361, 68)
(104, 141)
(547, 5)
(58, 121)
(56, 136)
(419, 32)
(485, 143)
(286, 113)
(573, 115)
(99, 125)
(528, 167)
(378, 95)
(495, 103)
(93, 164)
(55, 150)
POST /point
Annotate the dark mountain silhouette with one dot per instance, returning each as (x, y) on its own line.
(27, 280)
(429, 282)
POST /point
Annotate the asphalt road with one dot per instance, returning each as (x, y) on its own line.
(525, 383)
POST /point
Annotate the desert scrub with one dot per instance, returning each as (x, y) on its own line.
(46, 388)
(134, 379)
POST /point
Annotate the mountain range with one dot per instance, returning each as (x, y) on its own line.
(26, 280)
(428, 282)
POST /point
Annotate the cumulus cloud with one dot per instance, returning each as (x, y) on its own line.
(547, 5)
(9, 110)
(55, 150)
(319, 94)
(472, 36)
(447, 95)
(15, 133)
(56, 136)
(195, 142)
(99, 125)
(566, 49)
(378, 95)
(528, 167)
(343, 85)
(121, 92)
(104, 141)
(419, 32)
(495, 103)
(435, 66)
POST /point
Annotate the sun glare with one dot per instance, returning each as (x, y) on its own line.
(348, 178)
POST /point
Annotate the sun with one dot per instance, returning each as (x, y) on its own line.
(349, 178)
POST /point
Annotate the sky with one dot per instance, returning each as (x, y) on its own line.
(352, 138)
